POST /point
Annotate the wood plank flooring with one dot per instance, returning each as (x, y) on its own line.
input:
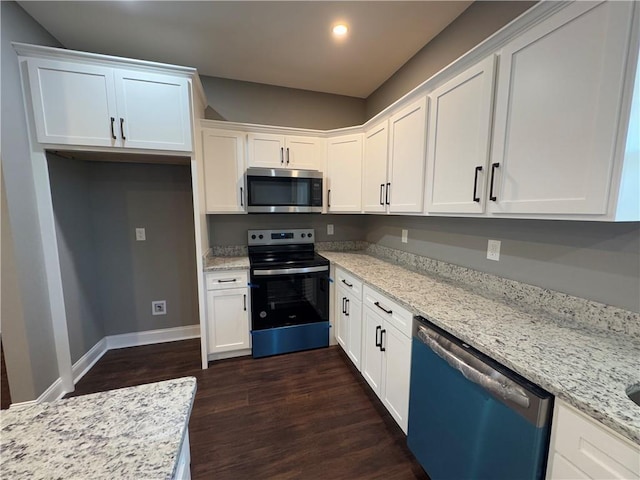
(303, 415)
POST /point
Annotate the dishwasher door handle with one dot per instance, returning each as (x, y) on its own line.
(474, 369)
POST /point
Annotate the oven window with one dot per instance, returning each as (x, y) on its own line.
(283, 300)
(270, 191)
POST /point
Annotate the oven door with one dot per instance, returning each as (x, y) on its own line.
(282, 297)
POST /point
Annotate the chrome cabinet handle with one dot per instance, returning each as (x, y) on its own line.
(492, 197)
(377, 304)
(113, 133)
(475, 184)
(122, 128)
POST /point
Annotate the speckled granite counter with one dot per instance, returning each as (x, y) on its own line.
(587, 367)
(225, 263)
(130, 433)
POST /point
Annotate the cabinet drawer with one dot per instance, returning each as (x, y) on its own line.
(398, 316)
(349, 283)
(227, 279)
(591, 448)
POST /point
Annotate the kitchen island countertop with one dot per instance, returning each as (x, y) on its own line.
(129, 433)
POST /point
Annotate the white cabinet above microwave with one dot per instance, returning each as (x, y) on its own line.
(268, 150)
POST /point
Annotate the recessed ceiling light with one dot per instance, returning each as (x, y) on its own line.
(340, 30)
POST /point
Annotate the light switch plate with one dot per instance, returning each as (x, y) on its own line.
(140, 235)
(405, 235)
(329, 229)
(493, 250)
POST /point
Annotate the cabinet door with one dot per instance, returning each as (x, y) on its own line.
(408, 133)
(458, 147)
(153, 111)
(303, 153)
(344, 176)
(223, 170)
(73, 104)
(227, 320)
(354, 337)
(266, 150)
(371, 353)
(374, 168)
(557, 111)
(396, 374)
(342, 327)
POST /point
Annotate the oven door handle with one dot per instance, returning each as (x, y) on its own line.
(289, 271)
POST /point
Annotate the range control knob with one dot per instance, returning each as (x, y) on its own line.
(310, 235)
(260, 236)
(303, 235)
(253, 237)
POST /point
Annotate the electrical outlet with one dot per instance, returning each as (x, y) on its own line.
(141, 235)
(159, 307)
(493, 250)
(405, 235)
(329, 229)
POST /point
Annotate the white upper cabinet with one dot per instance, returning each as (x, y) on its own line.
(269, 150)
(153, 110)
(95, 105)
(374, 170)
(408, 132)
(73, 104)
(223, 154)
(459, 141)
(344, 173)
(558, 112)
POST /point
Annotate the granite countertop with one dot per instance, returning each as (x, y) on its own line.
(586, 367)
(225, 263)
(129, 433)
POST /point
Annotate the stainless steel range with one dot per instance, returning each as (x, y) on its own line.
(289, 292)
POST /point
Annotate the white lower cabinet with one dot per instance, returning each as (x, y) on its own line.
(582, 448)
(349, 316)
(386, 353)
(227, 314)
(183, 470)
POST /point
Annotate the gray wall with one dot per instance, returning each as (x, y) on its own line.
(33, 369)
(110, 279)
(598, 261)
(132, 274)
(238, 101)
(71, 190)
(232, 229)
(475, 24)
(14, 335)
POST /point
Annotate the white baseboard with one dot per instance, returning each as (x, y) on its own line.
(112, 342)
(149, 337)
(88, 360)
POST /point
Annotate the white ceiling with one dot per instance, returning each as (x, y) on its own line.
(278, 43)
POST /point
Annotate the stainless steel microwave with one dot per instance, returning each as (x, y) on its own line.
(276, 190)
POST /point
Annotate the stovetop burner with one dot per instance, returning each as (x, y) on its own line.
(293, 247)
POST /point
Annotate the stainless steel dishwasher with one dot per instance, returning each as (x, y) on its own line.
(469, 416)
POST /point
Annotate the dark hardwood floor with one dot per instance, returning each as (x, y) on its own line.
(303, 415)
